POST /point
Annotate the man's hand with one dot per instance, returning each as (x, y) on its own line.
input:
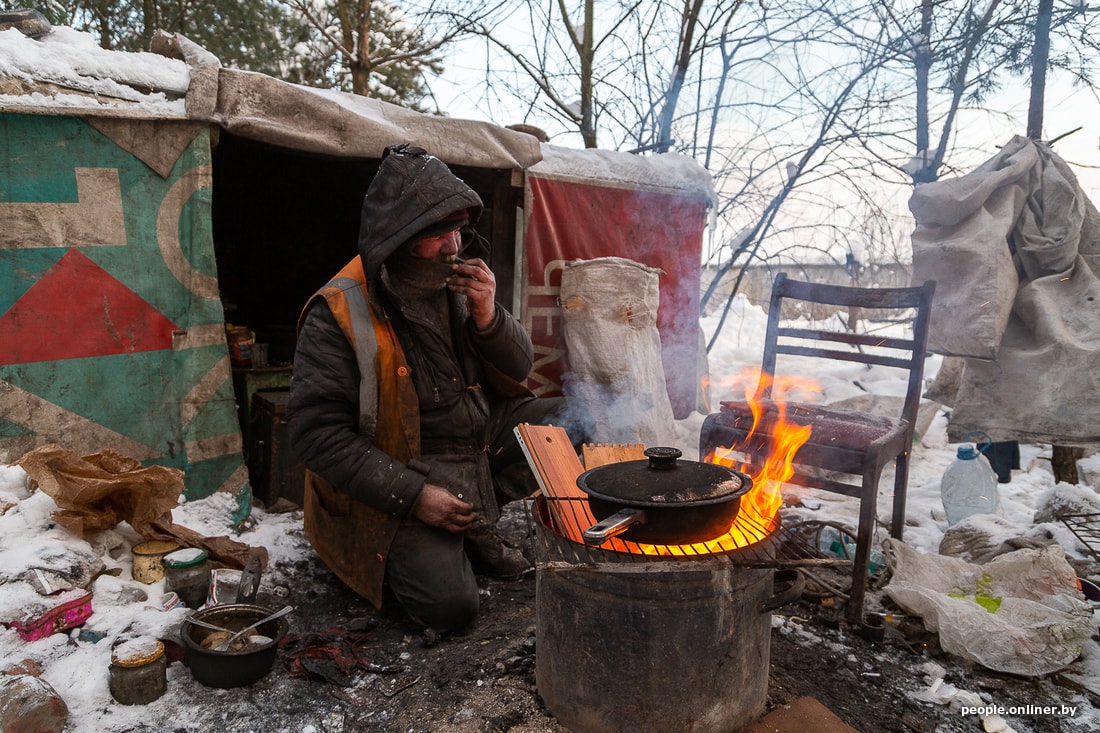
(476, 281)
(438, 507)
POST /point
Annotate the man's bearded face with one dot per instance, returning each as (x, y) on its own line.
(441, 248)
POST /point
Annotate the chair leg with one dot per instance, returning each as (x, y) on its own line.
(901, 488)
(865, 534)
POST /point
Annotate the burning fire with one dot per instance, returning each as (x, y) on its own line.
(756, 517)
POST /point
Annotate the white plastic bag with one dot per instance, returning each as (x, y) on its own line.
(1020, 613)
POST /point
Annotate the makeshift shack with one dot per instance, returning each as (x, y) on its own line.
(149, 200)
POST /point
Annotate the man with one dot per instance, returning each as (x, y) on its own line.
(407, 386)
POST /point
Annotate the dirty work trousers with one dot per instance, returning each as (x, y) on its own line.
(427, 569)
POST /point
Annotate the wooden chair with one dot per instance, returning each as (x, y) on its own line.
(847, 450)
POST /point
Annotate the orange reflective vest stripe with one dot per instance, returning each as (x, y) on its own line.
(351, 537)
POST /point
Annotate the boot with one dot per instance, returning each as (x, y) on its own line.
(492, 556)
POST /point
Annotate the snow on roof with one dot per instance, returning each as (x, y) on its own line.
(659, 172)
(68, 69)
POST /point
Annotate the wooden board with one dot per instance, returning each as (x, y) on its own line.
(600, 454)
(554, 461)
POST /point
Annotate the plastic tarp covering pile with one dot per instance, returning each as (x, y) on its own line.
(1014, 247)
(609, 307)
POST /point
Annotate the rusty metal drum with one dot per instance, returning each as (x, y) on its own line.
(670, 646)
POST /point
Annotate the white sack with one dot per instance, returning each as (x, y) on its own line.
(1020, 613)
(609, 321)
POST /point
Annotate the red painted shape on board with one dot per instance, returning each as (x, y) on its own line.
(78, 310)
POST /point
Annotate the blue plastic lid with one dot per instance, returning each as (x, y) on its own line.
(967, 452)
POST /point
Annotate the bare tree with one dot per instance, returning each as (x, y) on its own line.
(590, 66)
(815, 119)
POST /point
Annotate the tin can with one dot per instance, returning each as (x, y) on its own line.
(149, 559)
(240, 340)
(187, 574)
(139, 671)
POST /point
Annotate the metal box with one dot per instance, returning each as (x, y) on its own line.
(274, 469)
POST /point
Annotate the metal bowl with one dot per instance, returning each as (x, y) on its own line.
(235, 667)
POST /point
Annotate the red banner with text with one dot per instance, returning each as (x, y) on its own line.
(570, 221)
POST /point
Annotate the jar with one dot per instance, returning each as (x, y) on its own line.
(139, 671)
(187, 574)
(240, 340)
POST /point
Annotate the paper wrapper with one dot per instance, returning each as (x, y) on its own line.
(98, 491)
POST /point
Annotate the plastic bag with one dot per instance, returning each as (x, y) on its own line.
(1020, 613)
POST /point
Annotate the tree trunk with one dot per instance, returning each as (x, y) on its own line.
(587, 51)
(1039, 53)
(688, 21)
(1063, 460)
(922, 62)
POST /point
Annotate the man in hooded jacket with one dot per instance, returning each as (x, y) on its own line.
(407, 386)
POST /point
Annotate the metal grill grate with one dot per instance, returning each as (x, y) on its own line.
(1086, 527)
(777, 546)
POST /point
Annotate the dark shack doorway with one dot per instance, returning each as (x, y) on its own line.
(284, 222)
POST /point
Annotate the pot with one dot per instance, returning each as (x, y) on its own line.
(662, 500)
(234, 667)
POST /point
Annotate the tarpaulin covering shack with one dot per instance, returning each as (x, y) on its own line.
(148, 199)
(1014, 246)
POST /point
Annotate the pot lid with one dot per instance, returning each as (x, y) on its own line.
(662, 480)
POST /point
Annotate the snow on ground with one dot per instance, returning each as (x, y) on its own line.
(76, 665)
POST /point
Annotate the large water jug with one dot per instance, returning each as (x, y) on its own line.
(969, 485)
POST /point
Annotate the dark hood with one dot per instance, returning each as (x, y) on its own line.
(410, 193)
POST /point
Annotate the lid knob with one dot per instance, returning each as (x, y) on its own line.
(662, 458)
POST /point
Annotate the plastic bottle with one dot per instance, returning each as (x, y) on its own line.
(835, 543)
(969, 485)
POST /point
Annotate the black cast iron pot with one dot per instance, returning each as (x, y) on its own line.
(661, 500)
(231, 668)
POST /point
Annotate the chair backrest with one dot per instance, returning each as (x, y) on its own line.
(819, 340)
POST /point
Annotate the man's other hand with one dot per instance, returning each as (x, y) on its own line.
(438, 507)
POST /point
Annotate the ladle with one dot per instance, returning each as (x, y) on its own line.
(278, 614)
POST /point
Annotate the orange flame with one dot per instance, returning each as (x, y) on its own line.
(786, 437)
(756, 518)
